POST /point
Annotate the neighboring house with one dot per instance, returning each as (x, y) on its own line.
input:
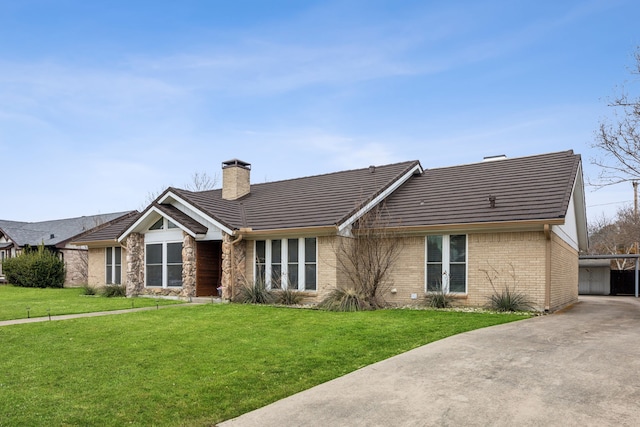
(106, 254)
(520, 222)
(56, 235)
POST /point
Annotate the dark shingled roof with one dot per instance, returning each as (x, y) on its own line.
(108, 231)
(55, 232)
(525, 188)
(181, 218)
(315, 201)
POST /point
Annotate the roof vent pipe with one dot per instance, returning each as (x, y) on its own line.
(372, 169)
(492, 201)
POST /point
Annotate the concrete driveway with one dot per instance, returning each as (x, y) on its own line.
(578, 367)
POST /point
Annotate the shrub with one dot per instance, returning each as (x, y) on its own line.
(111, 291)
(254, 293)
(439, 299)
(509, 300)
(88, 290)
(345, 300)
(39, 268)
(288, 297)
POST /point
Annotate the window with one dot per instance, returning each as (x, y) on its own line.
(446, 268)
(113, 262)
(163, 224)
(164, 265)
(287, 263)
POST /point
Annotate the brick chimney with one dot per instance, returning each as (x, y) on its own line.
(235, 179)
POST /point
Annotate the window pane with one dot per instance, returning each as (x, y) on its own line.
(458, 246)
(109, 278)
(118, 260)
(276, 251)
(434, 248)
(174, 253)
(154, 254)
(434, 277)
(260, 274)
(457, 278)
(276, 275)
(109, 256)
(310, 277)
(171, 225)
(117, 280)
(157, 225)
(293, 276)
(174, 275)
(154, 275)
(260, 251)
(310, 249)
(293, 250)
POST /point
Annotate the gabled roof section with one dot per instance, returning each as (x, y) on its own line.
(316, 201)
(107, 232)
(178, 217)
(534, 188)
(53, 233)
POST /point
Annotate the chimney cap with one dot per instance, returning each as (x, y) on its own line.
(236, 162)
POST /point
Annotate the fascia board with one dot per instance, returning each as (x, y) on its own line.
(196, 210)
(380, 197)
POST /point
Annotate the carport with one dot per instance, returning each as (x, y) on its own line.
(619, 256)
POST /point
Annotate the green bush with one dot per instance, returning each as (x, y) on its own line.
(288, 297)
(439, 299)
(509, 300)
(39, 268)
(111, 291)
(345, 300)
(254, 293)
(88, 290)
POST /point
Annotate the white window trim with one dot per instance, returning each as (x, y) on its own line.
(165, 271)
(446, 262)
(284, 263)
(113, 265)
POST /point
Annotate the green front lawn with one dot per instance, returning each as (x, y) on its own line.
(197, 365)
(15, 300)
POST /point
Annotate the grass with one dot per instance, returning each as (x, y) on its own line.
(15, 300)
(197, 365)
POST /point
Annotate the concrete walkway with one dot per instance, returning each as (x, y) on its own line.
(579, 367)
(79, 315)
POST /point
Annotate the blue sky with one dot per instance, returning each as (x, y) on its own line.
(102, 103)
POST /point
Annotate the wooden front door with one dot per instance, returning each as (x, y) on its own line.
(208, 268)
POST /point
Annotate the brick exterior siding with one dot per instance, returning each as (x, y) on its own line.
(564, 274)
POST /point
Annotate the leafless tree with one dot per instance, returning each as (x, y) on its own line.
(619, 235)
(618, 138)
(200, 181)
(367, 259)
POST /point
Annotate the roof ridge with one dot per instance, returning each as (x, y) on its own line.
(507, 159)
(307, 176)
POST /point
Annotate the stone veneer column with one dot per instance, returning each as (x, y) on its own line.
(188, 266)
(135, 264)
(233, 271)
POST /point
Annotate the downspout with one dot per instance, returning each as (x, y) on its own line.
(547, 274)
(232, 273)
